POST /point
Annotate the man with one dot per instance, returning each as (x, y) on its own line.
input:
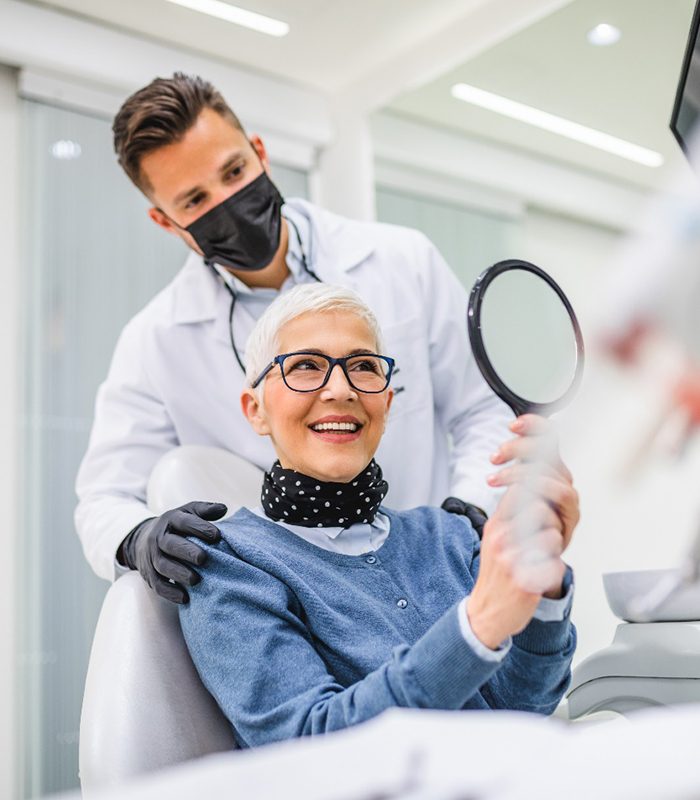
(175, 380)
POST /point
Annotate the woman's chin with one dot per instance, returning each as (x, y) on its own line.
(332, 470)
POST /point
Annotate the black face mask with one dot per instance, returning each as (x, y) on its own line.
(242, 232)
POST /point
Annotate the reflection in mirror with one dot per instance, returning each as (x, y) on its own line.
(528, 336)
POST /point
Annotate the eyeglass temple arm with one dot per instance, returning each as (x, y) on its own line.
(258, 380)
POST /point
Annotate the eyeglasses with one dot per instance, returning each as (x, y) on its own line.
(305, 371)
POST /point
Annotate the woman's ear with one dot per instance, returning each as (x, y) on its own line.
(253, 412)
(389, 398)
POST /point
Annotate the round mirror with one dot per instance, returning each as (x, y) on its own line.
(525, 337)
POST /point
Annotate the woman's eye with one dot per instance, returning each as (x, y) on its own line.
(366, 365)
(308, 364)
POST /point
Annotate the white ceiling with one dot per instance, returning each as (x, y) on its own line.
(533, 51)
(626, 89)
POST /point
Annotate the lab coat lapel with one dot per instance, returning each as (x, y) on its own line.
(337, 244)
(199, 296)
(195, 291)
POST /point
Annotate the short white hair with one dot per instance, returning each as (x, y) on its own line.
(263, 342)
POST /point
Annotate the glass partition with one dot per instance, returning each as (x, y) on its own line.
(92, 259)
(468, 239)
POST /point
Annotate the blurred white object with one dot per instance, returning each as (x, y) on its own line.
(408, 753)
(652, 595)
(144, 706)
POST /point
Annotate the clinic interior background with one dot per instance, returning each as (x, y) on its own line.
(355, 108)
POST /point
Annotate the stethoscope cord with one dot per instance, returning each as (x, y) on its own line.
(234, 296)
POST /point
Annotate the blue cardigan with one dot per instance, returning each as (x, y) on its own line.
(294, 640)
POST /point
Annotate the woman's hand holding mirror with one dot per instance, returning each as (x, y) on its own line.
(535, 465)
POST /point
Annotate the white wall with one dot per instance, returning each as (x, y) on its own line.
(9, 423)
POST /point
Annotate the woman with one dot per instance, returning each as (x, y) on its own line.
(323, 608)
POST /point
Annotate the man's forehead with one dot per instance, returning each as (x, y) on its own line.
(198, 157)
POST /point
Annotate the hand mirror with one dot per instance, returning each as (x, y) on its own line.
(525, 337)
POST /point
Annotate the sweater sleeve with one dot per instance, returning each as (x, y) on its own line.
(536, 672)
(245, 631)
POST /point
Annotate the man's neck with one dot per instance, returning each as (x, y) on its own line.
(275, 273)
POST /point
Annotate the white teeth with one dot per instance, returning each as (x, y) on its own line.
(336, 426)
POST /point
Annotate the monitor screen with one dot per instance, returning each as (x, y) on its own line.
(686, 109)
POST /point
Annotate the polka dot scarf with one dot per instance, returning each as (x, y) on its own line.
(290, 496)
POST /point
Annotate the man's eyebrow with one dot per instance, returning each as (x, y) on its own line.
(230, 161)
(186, 195)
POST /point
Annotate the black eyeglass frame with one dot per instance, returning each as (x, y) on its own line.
(332, 362)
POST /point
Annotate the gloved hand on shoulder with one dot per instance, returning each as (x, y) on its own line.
(474, 514)
(158, 549)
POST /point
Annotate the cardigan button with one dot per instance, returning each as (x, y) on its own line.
(402, 603)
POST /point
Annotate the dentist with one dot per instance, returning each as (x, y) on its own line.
(177, 368)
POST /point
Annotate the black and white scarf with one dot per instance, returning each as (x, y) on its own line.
(293, 497)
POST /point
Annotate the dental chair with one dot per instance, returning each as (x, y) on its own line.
(651, 662)
(144, 706)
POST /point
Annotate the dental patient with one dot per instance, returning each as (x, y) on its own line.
(322, 607)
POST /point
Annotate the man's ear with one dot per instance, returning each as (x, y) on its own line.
(160, 219)
(253, 412)
(259, 147)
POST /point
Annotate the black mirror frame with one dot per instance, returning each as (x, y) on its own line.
(518, 404)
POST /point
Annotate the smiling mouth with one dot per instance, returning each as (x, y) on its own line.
(336, 427)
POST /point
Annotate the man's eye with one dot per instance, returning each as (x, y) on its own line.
(236, 172)
(194, 201)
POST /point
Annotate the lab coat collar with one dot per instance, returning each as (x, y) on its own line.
(337, 245)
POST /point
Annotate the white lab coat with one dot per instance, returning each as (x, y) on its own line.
(174, 381)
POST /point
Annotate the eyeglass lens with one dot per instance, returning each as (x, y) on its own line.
(306, 372)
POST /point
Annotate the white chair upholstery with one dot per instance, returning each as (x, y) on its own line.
(144, 706)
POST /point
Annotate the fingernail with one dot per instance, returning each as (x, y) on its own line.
(495, 457)
(492, 479)
(517, 425)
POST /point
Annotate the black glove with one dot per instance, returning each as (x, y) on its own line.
(157, 548)
(477, 516)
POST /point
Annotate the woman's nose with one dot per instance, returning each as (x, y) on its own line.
(338, 387)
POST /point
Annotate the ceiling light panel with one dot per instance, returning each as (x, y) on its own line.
(236, 15)
(559, 125)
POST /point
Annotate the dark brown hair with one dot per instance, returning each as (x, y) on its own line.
(161, 114)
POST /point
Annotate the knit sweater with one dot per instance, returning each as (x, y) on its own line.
(293, 640)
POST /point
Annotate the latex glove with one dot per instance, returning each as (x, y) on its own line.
(158, 549)
(473, 513)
